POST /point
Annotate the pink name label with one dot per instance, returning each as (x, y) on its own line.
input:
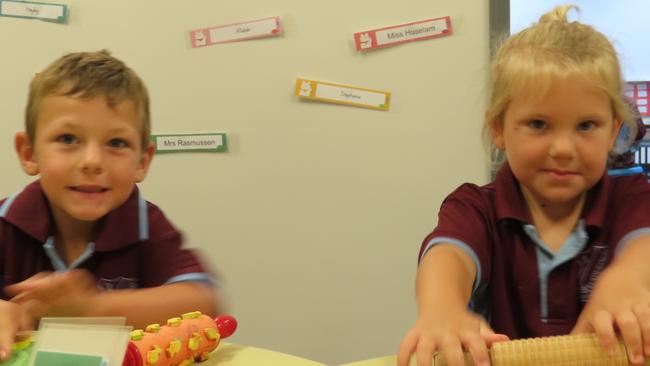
(403, 33)
(261, 28)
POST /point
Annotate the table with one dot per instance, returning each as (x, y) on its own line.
(380, 361)
(228, 354)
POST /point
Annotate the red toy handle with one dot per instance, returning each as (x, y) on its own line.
(132, 356)
(226, 325)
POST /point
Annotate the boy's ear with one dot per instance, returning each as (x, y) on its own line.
(25, 151)
(145, 162)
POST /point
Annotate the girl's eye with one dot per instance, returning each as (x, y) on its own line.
(117, 143)
(586, 125)
(537, 124)
(66, 138)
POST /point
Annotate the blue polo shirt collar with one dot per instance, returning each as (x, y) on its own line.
(29, 211)
(57, 263)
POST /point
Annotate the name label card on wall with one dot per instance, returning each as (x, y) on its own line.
(637, 91)
(32, 10)
(403, 33)
(342, 94)
(261, 28)
(206, 142)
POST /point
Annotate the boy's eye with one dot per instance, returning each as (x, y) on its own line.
(586, 125)
(66, 138)
(537, 124)
(117, 143)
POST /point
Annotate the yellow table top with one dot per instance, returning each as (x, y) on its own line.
(380, 361)
(228, 354)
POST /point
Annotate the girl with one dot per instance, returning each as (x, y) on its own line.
(553, 245)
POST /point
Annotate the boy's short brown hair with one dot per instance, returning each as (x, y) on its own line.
(88, 75)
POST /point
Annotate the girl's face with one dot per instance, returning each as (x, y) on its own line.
(557, 145)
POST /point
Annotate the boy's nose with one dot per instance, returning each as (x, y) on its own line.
(91, 161)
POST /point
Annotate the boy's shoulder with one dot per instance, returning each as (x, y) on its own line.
(27, 210)
(28, 194)
(135, 221)
(158, 221)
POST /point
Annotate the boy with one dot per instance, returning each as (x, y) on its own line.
(83, 228)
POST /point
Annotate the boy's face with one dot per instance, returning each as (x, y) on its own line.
(88, 155)
(557, 145)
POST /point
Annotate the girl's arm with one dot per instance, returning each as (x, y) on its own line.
(621, 301)
(443, 288)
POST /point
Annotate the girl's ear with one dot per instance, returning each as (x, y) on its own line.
(615, 131)
(25, 151)
(145, 162)
(496, 128)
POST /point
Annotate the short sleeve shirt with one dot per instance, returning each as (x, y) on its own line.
(523, 290)
(136, 246)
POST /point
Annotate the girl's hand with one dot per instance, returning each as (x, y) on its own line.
(620, 301)
(450, 334)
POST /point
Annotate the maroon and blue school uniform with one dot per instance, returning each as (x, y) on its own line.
(135, 247)
(522, 287)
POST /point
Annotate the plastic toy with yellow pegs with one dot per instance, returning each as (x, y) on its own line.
(181, 342)
(570, 350)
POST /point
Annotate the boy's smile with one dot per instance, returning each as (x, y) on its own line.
(557, 144)
(88, 191)
(88, 156)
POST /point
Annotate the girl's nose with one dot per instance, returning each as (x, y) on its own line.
(562, 147)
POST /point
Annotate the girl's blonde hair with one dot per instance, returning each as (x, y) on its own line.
(553, 48)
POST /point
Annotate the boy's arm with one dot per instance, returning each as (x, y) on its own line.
(13, 319)
(75, 293)
(621, 300)
(443, 287)
(142, 307)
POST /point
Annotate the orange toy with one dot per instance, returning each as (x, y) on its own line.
(180, 342)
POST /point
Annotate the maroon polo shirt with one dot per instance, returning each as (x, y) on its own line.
(489, 223)
(136, 246)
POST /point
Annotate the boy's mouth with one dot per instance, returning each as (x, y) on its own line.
(88, 189)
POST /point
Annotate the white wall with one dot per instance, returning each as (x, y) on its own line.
(315, 216)
(623, 21)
